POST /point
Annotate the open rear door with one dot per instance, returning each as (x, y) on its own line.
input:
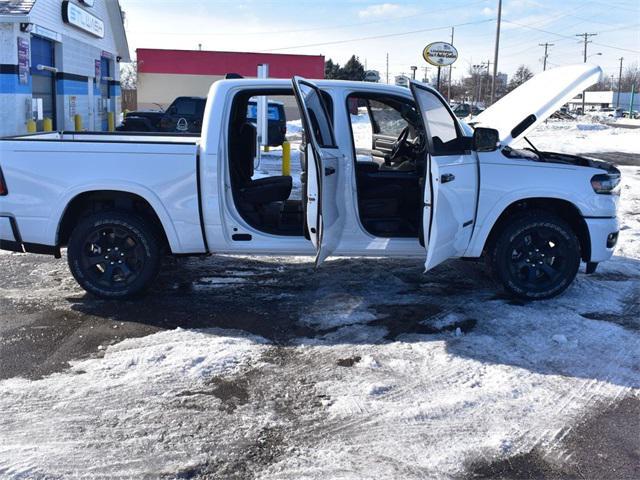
(322, 194)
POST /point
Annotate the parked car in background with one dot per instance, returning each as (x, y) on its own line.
(277, 121)
(463, 110)
(185, 115)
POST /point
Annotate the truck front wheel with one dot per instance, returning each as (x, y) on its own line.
(114, 255)
(535, 256)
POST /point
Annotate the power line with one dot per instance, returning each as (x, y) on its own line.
(567, 36)
(373, 37)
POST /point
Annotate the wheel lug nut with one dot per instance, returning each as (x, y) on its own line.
(112, 263)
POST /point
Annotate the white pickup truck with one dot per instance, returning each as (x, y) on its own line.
(415, 182)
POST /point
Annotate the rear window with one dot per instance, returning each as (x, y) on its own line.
(186, 106)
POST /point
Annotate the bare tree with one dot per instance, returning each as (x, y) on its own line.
(631, 76)
(521, 75)
(129, 76)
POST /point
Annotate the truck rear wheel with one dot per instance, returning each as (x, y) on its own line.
(535, 256)
(114, 255)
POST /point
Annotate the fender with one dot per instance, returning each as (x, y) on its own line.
(489, 219)
(119, 186)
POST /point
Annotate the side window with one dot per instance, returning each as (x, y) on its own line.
(440, 124)
(318, 116)
(361, 125)
(387, 120)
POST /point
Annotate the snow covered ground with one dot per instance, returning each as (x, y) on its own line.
(375, 371)
(583, 137)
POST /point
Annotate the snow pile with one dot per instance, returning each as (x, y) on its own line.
(127, 414)
(572, 137)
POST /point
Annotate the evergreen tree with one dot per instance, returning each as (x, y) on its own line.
(352, 70)
(331, 70)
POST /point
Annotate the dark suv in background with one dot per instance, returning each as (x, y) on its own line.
(185, 115)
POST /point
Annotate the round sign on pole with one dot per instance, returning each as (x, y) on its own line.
(440, 54)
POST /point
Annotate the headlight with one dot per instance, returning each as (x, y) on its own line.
(606, 183)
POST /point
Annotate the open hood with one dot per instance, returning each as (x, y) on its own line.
(520, 111)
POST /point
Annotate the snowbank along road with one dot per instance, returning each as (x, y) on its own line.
(241, 367)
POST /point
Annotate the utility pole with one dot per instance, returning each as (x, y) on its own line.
(426, 76)
(387, 69)
(450, 68)
(495, 55)
(619, 83)
(546, 46)
(585, 36)
(486, 65)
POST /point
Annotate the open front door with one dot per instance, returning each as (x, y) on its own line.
(322, 194)
(450, 180)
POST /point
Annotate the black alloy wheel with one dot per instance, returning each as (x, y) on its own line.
(114, 254)
(536, 256)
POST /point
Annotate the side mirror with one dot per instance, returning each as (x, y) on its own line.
(172, 111)
(485, 139)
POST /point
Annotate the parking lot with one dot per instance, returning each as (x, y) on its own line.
(256, 367)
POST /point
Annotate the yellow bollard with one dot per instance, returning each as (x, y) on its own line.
(77, 120)
(111, 121)
(286, 159)
(47, 125)
(31, 126)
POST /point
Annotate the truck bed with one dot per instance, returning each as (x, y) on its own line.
(45, 172)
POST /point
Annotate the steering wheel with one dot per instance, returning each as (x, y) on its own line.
(400, 145)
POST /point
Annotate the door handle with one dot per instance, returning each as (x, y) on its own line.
(447, 177)
(329, 171)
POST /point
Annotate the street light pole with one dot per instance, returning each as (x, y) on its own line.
(450, 68)
(495, 55)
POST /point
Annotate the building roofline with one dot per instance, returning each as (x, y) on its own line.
(14, 18)
(117, 20)
(227, 51)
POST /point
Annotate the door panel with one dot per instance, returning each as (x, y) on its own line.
(325, 225)
(454, 191)
(451, 190)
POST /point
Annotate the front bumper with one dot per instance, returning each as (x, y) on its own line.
(603, 233)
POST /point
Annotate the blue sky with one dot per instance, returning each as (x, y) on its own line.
(371, 29)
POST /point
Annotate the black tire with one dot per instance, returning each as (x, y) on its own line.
(535, 256)
(114, 255)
